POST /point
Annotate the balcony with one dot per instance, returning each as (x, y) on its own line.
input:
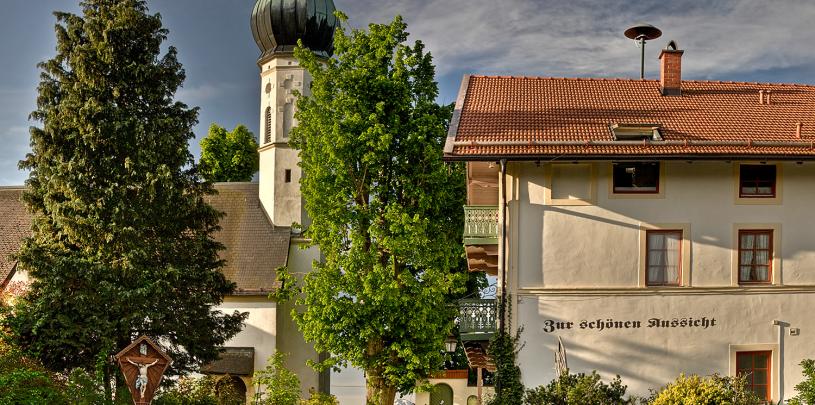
(476, 320)
(481, 237)
(480, 225)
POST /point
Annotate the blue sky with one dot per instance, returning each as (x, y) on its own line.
(741, 40)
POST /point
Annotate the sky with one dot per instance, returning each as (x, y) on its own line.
(739, 40)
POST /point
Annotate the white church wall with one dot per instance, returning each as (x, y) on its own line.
(260, 329)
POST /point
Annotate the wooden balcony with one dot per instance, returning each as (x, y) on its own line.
(481, 237)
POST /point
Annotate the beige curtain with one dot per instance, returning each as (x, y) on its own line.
(663, 257)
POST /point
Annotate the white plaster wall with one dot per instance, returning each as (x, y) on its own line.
(20, 277)
(290, 340)
(460, 391)
(260, 330)
(348, 385)
(280, 78)
(573, 262)
(597, 245)
(651, 357)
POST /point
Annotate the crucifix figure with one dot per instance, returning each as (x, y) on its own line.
(141, 379)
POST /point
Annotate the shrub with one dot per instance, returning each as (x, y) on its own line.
(25, 381)
(578, 389)
(282, 385)
(189, 391)
(806, 388)
(84, 388)
(320, 398)
(25, 386)
(712, 390)
(509, 390)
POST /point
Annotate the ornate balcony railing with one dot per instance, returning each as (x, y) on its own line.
(480, 225)
(476, 319)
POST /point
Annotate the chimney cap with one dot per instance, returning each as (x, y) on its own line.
(672, 47)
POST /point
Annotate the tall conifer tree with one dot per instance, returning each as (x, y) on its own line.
(122, 236)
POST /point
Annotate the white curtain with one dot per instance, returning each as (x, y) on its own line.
(755, 257)
(663, 257)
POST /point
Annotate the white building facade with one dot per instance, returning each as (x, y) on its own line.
(656, 227)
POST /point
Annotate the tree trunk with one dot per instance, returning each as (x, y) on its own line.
(378, 391)
(106, 374)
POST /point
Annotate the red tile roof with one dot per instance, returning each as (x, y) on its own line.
(15, 224)
(255, 248)
(529, 117)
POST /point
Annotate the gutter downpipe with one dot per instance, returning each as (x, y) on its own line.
(781, 326)
(502, 308)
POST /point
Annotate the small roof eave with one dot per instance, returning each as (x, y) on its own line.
(456, 118)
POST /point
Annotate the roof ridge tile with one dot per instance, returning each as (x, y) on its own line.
(637, 80)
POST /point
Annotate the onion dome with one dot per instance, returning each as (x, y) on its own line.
(278, 24)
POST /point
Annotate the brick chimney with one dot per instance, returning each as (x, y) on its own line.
(670, 70)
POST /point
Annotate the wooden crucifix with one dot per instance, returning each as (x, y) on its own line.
(143, 364)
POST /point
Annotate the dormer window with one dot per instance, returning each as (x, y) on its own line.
(636, 177)
(636, 132)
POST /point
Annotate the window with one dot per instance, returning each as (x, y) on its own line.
(757, 181)
(636, 177)
(663, 259)
(755, 256)
(755, 367)
(287, 175)
(267, 133)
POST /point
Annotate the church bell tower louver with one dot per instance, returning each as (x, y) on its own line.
(277, 25)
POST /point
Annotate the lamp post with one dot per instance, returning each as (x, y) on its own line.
(258, 394)
(450, 344)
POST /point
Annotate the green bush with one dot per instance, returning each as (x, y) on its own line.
(509, 390)
(319, 398)
(83, 388)
(578, 389)
(282, 385)
(25, 386)
(712, 390)
(25, 381)
(806, 388)
(207, 390)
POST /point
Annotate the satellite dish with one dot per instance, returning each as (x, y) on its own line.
(643, 32)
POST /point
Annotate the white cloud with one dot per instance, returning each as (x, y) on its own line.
(202, 93)
(584, 38)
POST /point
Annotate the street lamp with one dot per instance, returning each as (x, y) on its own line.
(258, 394)
(450, 344)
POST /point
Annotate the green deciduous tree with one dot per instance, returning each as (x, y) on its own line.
(229, 156)
(385, 210)
(122, 236)
(805, 389)
(282, 384)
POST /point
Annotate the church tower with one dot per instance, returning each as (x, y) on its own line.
(277, 25)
